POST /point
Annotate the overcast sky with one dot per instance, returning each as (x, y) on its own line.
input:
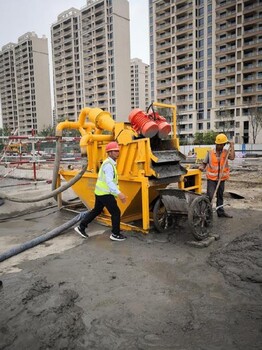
(20, 16)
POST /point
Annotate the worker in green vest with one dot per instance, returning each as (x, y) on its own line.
(106, 192)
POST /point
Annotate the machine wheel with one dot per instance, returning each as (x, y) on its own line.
(200, 217)
(163, 221)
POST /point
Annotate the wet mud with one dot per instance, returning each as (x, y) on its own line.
(148, 292)
(241, 260)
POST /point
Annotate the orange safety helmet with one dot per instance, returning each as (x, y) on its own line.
(112, 146)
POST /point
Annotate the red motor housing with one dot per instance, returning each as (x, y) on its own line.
(142, 123)
(163, 127)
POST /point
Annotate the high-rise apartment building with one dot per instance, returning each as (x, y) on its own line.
(25, 85)
(91, 59)
(140, 87)
(67, 65)
(206, 57)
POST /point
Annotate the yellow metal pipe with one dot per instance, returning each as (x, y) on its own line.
(87, 128)
(102, 119)
(66, 125)
(90, 137)
(76, 125)
(82, 116)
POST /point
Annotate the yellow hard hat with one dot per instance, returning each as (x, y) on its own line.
(220, 139)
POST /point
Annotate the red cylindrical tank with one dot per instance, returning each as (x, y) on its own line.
(163, 127)
(142, 124)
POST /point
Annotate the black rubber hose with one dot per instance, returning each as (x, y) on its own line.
(48, 195)
(30, 244)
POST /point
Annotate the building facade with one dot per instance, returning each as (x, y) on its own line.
(91, 59)
(140, 86)
(206, 58)
(25, 85)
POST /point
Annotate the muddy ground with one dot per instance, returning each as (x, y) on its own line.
(149, 292)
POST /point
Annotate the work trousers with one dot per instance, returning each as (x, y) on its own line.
(108, 201)
(211, 187)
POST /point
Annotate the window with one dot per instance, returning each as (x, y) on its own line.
(201, 33)
(200, 22)
(201, 11)
(200, 85)
(200, 115)
(201, 43)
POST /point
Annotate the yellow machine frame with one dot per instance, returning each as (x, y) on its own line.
(137, 178)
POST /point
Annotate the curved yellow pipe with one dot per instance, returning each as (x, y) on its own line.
(101, 119)
(90, 137)
(83, 114)
(74, 125)
(66, 125)
(87, 128)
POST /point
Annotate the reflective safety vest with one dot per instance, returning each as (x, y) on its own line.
(214, 167)
(101, 185)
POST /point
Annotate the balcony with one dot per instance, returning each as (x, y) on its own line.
(184, 19)
(184, 7)
(222, 16)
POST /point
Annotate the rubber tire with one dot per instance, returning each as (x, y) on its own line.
(169, 219)
(207, 218)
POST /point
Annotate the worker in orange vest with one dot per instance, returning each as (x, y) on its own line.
(217, 171)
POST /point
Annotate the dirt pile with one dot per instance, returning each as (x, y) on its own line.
(240, 260)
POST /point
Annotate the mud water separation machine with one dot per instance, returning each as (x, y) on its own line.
(149, 170)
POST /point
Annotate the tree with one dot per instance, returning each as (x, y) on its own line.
(47, 131)
(5, 131)
(255, 120)
(205, 138)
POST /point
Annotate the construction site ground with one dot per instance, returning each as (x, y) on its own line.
(152, 291)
